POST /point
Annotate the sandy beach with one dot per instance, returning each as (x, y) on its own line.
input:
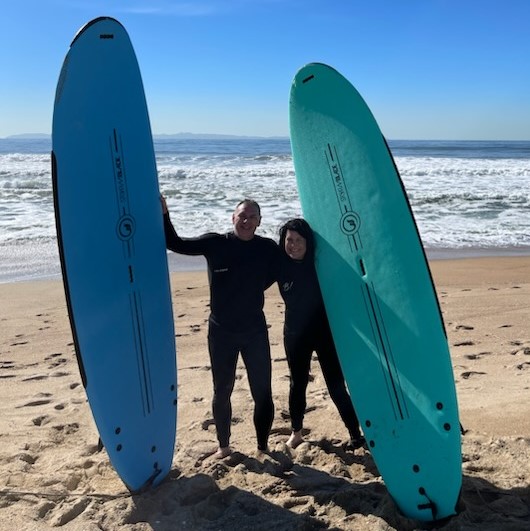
(53, 476)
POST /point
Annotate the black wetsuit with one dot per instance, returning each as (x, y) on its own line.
(306, 330)
(239, 272)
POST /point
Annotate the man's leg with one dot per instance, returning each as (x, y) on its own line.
(257, 358)
(223, 358)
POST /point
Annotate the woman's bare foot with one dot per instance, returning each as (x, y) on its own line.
(295, 439)
(223, 452)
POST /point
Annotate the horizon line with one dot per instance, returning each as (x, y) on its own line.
(228, 136)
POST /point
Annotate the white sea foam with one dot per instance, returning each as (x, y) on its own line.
(464, 195)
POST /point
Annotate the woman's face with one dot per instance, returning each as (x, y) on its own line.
(295, 245)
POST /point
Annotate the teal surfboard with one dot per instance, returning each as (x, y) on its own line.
(378, 293)
(112, 249)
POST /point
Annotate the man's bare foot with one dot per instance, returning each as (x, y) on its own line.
(295, 439)
(223, 452)
(261, 454)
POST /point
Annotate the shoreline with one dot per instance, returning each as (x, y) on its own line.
(186, 264)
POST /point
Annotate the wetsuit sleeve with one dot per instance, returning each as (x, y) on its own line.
(189, 246)
(274, 267)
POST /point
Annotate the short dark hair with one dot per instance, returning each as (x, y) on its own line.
(250, 202)
(302, 227)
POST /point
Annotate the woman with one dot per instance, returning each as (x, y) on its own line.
(306, 330)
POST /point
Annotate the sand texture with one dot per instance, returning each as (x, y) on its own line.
(52, 474)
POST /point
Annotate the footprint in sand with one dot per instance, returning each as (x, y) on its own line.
(463, 343)
(476, 356)
(35, 378)
(284, 414)
(35, 403)
(57, 361)
(207, 423)
(42, 400)
(68, 512)
(41, 420)
(67, 429)
(281, 431)
(464, 327)
(524, 350)
(59, 374)
(468, 374)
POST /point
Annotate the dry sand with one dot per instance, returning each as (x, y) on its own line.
(52, 474)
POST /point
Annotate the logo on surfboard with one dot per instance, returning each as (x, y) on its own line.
(350, 223)
(125, 228)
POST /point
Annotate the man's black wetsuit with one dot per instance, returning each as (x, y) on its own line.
(239, 272)
(306, 330)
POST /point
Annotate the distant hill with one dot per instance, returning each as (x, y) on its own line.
(175, 136)
(30, 136)
(208, 136)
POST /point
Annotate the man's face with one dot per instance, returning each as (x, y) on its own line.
(246, 220)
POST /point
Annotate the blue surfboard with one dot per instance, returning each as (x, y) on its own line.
(112, 249)
(378, 293)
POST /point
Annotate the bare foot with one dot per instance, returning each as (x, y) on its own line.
(223, 452)
(295, 439)
(261, 454)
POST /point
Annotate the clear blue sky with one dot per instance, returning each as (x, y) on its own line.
(429, 69)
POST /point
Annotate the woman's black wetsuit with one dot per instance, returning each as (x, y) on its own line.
(306, 330)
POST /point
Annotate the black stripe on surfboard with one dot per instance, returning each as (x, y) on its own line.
(393, 384)
(142, 355)
(333, 160)
(118, 163)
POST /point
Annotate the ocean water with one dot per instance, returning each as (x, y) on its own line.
(468, 198)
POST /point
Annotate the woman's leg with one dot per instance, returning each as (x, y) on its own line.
(299, 361)
(331, 369)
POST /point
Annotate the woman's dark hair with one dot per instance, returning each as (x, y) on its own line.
(302, 227)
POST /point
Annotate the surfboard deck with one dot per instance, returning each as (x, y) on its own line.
(378, 292)
(112, 250)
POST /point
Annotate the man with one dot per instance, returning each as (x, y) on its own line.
(241, 266)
